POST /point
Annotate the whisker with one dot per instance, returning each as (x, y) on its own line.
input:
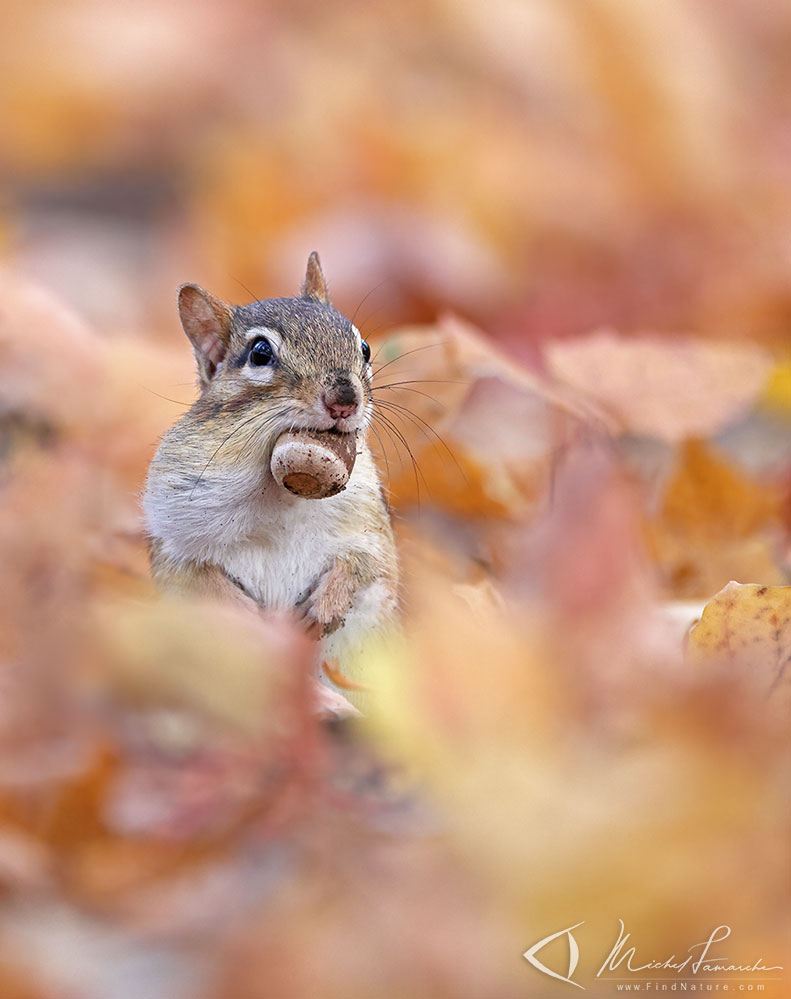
(426, 346)
(268, 418)
(365, 297)
(392, 440)
(422, 430)
(382, 449)
(416, 391)
(386, 325)
(378, 349)
(178, 402)
(371, 315)
(417, 420)
(252, 294)
(427, 381)
(415, 466)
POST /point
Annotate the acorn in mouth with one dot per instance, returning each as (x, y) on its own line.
(313, 464)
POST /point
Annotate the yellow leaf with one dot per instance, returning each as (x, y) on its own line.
(777, 395)
(748, 626)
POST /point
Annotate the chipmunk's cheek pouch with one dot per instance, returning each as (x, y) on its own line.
(313, 464)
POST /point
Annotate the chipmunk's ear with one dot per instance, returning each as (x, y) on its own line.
(207, 322)
(315, 285)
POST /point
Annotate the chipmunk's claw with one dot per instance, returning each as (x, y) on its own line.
(323, 610)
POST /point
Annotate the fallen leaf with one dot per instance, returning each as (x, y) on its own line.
(43, 395)
(666, 387)
(708, 497)
(211, 658)
(462, 427)
(715, 523)
(777, 396)
(747, 627)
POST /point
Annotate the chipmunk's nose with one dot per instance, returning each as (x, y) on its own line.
(341, 400)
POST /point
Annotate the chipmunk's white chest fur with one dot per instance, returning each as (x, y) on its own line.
(273, 544)
(280, 561)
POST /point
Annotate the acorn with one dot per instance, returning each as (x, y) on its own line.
(313, 464)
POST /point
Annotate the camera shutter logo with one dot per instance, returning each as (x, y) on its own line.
(574, 955)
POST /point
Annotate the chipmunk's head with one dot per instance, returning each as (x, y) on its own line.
(296, 362)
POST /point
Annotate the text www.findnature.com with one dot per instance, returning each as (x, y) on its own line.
(690, 987)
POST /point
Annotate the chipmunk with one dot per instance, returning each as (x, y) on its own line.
(219, 525)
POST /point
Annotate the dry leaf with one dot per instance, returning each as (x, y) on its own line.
(715, 523)
(462, 427)
(212, 658)
(747, 627)
(665, 387)
(44, 392)
(175, 819)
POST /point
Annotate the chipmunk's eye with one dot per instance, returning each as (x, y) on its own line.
(366, 351)
(261, 353)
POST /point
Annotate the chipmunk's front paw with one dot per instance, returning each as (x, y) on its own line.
(325, 607)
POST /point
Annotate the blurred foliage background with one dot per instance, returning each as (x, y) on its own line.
(542, 168)
(576, 216)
